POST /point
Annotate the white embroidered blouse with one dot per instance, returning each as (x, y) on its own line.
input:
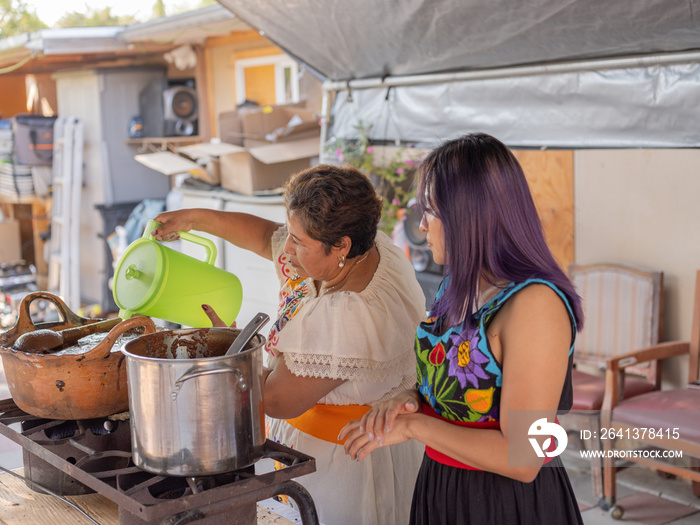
(363, 337)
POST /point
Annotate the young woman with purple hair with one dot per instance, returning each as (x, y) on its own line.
(493, 360)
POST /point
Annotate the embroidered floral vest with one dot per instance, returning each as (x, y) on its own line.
(458, 375)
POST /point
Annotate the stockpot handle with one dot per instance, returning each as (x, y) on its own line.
(208, 245)
(198, 371)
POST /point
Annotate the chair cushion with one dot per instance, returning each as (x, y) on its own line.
(666, 409)
(589, 390)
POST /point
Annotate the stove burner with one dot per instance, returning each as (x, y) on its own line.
(78, 442)
(95, 455)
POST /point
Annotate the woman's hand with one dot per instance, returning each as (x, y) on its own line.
(379, 421)
(360, 443)
(171, 223)
(381, 418)
(214, 317)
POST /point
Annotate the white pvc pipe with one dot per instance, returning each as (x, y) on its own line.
(517, 71)
(325, 118)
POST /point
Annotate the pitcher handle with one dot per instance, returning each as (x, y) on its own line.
(208, 245)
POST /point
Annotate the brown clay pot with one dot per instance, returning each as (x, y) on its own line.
(77, 386)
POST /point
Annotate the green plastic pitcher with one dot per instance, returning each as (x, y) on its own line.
(154, 280)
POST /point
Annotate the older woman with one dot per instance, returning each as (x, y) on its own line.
(342, 340)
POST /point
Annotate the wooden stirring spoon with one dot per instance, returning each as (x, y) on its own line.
(44, 341)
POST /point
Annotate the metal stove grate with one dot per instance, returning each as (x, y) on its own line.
(151, 497)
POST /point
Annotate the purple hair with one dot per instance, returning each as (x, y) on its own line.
(476, 188)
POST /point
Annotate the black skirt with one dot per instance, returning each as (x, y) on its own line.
(454, 496)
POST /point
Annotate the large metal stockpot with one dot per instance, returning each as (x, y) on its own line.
(195, 411)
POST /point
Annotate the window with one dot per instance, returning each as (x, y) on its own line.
(267, 80)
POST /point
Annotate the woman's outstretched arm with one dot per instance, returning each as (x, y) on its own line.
(241, 229)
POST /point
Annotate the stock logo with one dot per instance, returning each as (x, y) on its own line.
(542, 427)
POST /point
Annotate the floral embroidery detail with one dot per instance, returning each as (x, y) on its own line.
(427, 394)
(479, 400)
(463, 354)
(293, 295)
(286, 268)
(457, 373)
(466, 359)
(437, 356)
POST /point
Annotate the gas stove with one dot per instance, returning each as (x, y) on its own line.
(85, 456)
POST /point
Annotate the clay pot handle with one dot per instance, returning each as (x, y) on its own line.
(104, 348)
(24, 322)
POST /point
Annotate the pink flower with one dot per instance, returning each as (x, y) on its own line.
(396, 202)
(409, 162)
(399, 171)
(370, 149)
(391, 212)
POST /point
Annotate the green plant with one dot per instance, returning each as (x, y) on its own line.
(391, 175)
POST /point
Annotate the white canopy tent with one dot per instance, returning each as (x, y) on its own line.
(538, 73)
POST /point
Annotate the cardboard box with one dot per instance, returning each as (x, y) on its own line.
(279, 124)
(170, 164)
(254, 123)
(231, 127)
(254, 143)
(279, 141)
(10, 243)
(266, 167)
(199, 160)
(207, 155)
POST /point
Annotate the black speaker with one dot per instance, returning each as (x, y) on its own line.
(416, 238)
(168, 110)
(180, 110)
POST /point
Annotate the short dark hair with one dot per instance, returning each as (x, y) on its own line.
(335, 201)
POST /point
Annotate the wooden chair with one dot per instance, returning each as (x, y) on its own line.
(674, 415)
(623, 308)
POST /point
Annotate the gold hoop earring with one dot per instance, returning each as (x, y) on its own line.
(341, 261)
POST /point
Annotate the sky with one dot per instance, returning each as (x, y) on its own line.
(50, 11)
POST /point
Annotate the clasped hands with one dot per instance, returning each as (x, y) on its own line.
(386, 424)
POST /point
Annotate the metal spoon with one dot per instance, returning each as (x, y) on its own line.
(44, 340)
(247, 333)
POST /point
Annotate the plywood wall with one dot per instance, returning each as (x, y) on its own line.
(550, 175)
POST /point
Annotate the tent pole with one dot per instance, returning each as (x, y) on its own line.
(517, 71)
(325, 115)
